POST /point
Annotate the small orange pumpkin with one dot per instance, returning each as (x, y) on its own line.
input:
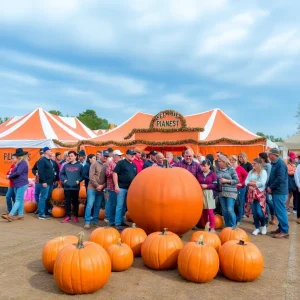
(58, 211)
(241, 261)
(58, 194)
(198, 262)
(105, 236)
(82, 269)
(160, 250)
(218, 222)
(233, 233)
(209, 238)
(52, 248)
(127, 216)
(121, 256)
(30, 206)
(134, 237)
(102, 214)
(81, 210)
(82, 192)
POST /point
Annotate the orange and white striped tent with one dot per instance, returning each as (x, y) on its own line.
(217, 125)
(40, 128)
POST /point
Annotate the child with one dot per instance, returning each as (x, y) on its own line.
(29, 193)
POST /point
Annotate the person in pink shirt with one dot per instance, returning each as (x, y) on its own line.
(241, 187)
(138, 160)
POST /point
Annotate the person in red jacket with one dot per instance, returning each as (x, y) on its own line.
(241, 187)
(10, 195)
(138, 160)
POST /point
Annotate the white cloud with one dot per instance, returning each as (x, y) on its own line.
(19, 77)
(126, 84)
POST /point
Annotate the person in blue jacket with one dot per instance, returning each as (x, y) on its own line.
(278, 188)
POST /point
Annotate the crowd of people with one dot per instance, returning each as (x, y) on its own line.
(231, 185)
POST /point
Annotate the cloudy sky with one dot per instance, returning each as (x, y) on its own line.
(123, 56)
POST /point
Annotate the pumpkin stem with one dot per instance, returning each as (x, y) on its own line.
(80, 240)
(200, 241)
(164, 232)
(166, 164)
(241, 242)
(119, 243)
(133, 225)
(106, 223)
(206, 227)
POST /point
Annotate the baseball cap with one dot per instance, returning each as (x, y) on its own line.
(117, 152)
(130, 152)
(274, 151)
(46, 149)
(153, 152)
(105, 153)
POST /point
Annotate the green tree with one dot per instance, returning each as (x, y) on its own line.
(55, 112)
(90, 119)
(2, 120)
(272, 138)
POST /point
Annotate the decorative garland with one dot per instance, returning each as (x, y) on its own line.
(159, 143)
(164, 130)
(169, 112)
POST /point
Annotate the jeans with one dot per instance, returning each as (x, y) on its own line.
(258, 215)
(43, 202)
(270, 204)
(37, 192)
(94, 199)
(121, 207)
(72, 196)
(110, 207)
(228, 211)
(10, 198)
(280, 212)
(241, 195)
(19, 203)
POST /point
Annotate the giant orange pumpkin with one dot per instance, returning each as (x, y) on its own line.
(160, 250)
(241, 261)
(121, 256)
(105, 236)
(198, 262)
(58, 194)
(134, 237)
(165, 197)
(234, 233)
(52, 248)
(209, 238)
(82, 269)
(58, 211)
(30, 206)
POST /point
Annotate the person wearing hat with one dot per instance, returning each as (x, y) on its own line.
(151, 160)
(138, 160)
(81, 157)
(111, 202)
(291, 165)
(71, 175)
(46, 173)
(278, 188)
(124, 173)
(19, 176)
(95, 194)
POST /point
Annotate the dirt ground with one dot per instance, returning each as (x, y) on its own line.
(22, 275)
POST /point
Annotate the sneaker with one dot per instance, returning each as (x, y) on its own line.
(87, 226)
(44, 218)
(255, 232)
(263, 230)
(96, 225)
(124, 224)
(238, 224)
(75, 220)
(212, 230)
(288, 213)
(66, 220)
(294, 212)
